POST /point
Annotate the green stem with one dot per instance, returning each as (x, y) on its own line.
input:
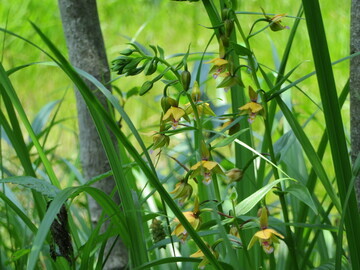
(243, 240)
(290, 240)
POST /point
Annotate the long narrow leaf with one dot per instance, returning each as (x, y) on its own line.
(99, 115)
(334, 124)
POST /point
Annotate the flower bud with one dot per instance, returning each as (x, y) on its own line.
(160, 140)
(222, 50)
(229, 27)
(235, 175)
(205, 154)
(145, 87)
(167, 102)
(157, 231)
(185, 79)
(224, 43)
(133, 63)
(229, 82)
(150, 67)
(263, 213)
(182, 191)
(252, 94)
(234, 231)
(225, 14)
(195, 93)
(127, 52)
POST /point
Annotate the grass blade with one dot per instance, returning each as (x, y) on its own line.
(334, 123)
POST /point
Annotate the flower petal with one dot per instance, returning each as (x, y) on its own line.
(197, 165)
(252, 241)
(218, 61)
(197, 254)
(255, 107)
(167, 115)
(276, 233)
(263, 234)
(209, 165)
(177, 113)
(245, 107)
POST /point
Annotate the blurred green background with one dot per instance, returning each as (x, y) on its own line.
(173, 26)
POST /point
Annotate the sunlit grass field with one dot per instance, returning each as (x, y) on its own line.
(169, 24)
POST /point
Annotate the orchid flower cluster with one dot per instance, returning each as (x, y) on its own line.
(226, 72)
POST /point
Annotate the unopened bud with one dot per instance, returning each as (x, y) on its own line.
(225, 42)
(145, 87)
(252, 94)
(157, 231)
(230, 81)
(235, 175)
(150, 67)
(127, 52)
(160, 140)
(263, 213)
(195, 93)
(167, 102)
(225, 14)
(222, 50)
(205, 154)
(185, 79)
(229, 27)
(234, 231)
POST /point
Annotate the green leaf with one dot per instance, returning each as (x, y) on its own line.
(138, 253)
(334, 126)
(7, 86)
(167, 261)
(107, 204)
(331, 265)
(17, 255)
(42, 116)
(154, 49)
(42, 186)
(241, 50)
(250, 202)
(230, 139)
(356, 166)
(161, 52)
(132, 92)
(302, 193)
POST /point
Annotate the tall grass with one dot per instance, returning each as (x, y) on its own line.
(223, 188)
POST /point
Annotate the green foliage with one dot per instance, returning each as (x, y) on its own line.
(216, 157)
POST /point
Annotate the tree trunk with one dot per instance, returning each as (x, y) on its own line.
(355, 88)
(87, 51)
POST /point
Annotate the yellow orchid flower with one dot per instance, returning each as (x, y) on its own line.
(275, 22)
(217, 61)
(174, 114)
(194, 220)
(200, 254)
(182, 191)
(229, 81)
(235, 175)
(234, 231)
(266, 238)
(206, 168)
(252, 108)
(160, 140)
(203, 108)
(219, 67)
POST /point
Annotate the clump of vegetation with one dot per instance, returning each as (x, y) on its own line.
(228, 178)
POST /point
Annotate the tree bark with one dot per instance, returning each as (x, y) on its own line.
(355, 88)
(87, 51)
